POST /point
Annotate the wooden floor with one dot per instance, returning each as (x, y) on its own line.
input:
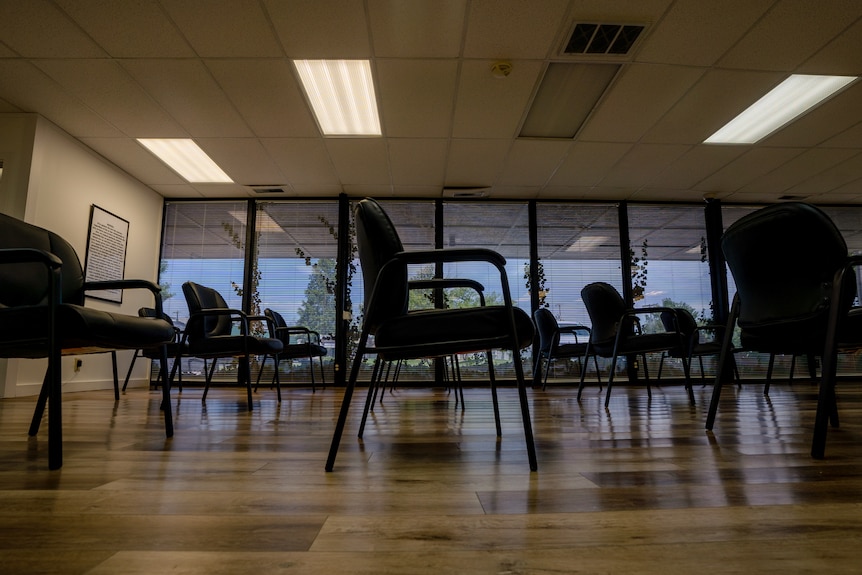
(638, 488)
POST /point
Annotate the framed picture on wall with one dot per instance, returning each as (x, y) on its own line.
(106, 252)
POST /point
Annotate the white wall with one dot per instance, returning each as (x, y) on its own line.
(65, 179)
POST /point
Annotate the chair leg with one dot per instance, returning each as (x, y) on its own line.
(584, 370)
(245, 377)
(208, 378)
(41, 401)
(129, 373)
(723, 357)
(525, 408)
(260, 373)
(345, 402)
(116, 378)
(322, 373)
(373, 387)
(611, 380)
(275, 360)
(493, 379)
(166, 394)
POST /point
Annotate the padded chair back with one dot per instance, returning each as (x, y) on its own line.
(687, 323)
(27, 284)
(275, 322)
(548, 328)
(198, 298)
(783, 258)
(377, 241)
(605, 307)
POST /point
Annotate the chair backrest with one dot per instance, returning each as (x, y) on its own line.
(605, 307)
(198, 298)
(548, 328)
(27, 284)
(783, 259)
(683, 319)
(377, 241)
(276, 321)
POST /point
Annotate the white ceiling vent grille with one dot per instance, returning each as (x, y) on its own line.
(594, 39)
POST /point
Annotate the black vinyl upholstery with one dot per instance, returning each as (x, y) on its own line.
(209, 335)
(795, 289)
(298, 342)
(550, 346)
(42, 314)
(615, 331)
(402, 334)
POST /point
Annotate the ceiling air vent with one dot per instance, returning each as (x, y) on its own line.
(267, 190)
(603, 39)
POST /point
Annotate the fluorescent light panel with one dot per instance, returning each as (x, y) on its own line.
(187, 159)
(341, 93)
(787, 101)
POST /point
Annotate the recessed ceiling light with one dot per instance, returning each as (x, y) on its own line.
(341, 93)
(587, 243)
(187, 159)
(787, 101)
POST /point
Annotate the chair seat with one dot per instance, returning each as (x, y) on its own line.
(80, 329)
(303, 350)
(459, 328)
(570, 350)
(646, 343)
(224, 345)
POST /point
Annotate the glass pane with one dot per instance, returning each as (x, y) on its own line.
(414, 222)
(203, 242)
(670, 269)
(503, 228)
(297, 246)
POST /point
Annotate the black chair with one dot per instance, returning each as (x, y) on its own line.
(176, 349)
(616, 331)
(698, 340)
(209, 335)
(795, 289)
(299, 343)
(552, 346)
(42, 315)
(400, 334)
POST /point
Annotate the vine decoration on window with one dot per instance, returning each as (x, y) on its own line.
(256, 328)
(639, 272)
(540, 273)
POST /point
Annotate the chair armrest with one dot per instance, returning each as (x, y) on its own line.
(449, 283)
(29, 255)
(451, 255)
(154, 288)
(236, 315)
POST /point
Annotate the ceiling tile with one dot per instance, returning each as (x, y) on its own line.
(30, 90)
(803, 166)
(119, 99)
(706, 29)
(835, 178)
(491, 107)
(305, 162)
(637, 99)
(186, 89)
(267, 96)
(474, 162)
(38, 29)
(313, 29)
(416, 97)
(229, 28)
(417, 162)
(824, 122)
(839, 57)
(752, 164)
(642, 163)
(790, 33)
(496, 29)
(417, 29)
(530, 162)
(244, 160)
(359, 161)
(138, 29)
(136, 160)
(588, 163)
(696, 165)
